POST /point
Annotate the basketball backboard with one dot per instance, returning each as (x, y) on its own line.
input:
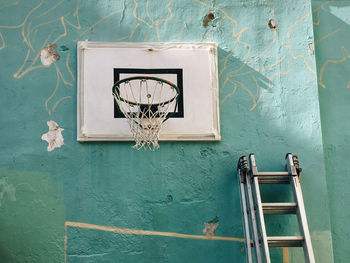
(192, 67)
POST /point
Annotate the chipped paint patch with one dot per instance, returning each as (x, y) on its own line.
(211, 226)
(48, 55)
(53, 136)
(6, 189)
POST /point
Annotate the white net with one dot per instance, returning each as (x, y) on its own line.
(146, 103)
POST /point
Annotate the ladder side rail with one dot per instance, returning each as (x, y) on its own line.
(241, 180)
(253, 220)
(254, 175)
(301, 215)
(246, 223)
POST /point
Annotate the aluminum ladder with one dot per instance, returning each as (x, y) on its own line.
(254, 210)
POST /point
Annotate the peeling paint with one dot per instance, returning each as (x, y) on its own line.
(211, 226)
(53, 136)
(48, 55)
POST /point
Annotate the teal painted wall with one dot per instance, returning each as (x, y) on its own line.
(332, 43)
(269, 105)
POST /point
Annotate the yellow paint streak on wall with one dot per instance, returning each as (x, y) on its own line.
(326, 36)
(40, 25)
(235, 85)
(261, 69)
(61, 75)
(256, 85)
(31, 67)
(138, 18)
(53, 108)
(130, 35)
(98, 22)
(154, 22)
(162, 20)
(67, 66)
(285, 255)
(24, 24)
(129, 231)
(246, 56)
(49, 111)
(318, 11)
(289, 46)
(76, 14)
(185, 24)
(64, 33)
(225, 61)
(273, 76)
(332, 61)
(51, 9)
(58, 102)
(147, 11)
(8, 5)
(274, 34)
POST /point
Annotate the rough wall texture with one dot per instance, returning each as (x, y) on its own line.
(96, 199)
(332, 43)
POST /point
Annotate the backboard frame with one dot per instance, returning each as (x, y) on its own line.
(84, 134)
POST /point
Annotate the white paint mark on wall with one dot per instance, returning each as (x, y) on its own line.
(7, 189)
(48, 55)
(53, 136)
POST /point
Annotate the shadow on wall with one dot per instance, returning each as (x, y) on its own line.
(236, 76)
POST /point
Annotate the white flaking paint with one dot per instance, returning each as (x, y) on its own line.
(48, 55)
(53, 136)
(210, 228)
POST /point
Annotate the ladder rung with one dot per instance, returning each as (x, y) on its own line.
(274, 179)
(287, 241)
(273, 173)
(279, 208)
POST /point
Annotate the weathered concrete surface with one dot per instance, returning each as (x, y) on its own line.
(269, 105)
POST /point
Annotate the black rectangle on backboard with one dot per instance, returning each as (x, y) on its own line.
(179, 112)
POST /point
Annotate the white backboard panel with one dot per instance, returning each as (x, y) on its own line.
(190, 66)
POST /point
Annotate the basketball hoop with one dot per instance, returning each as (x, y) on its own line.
(146, 103)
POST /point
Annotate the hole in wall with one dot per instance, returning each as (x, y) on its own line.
(208, 18)
(272, 24)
